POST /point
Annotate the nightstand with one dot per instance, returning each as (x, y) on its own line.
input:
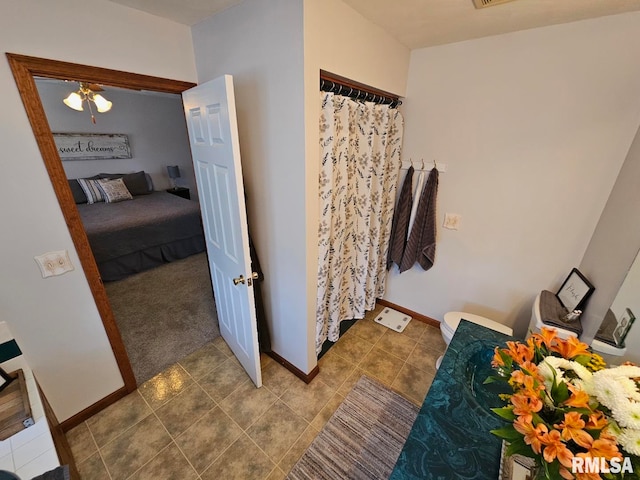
(180, 191)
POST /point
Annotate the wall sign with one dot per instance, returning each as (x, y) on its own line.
(91, 146)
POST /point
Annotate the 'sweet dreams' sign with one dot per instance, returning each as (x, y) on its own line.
(91, 146)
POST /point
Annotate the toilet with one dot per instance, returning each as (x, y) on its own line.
(608, 352)
(452, 319)
(536, 323)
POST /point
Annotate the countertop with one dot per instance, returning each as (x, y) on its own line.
(30, 452)
(451, 437)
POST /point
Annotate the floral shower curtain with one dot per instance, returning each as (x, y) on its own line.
(360, 147)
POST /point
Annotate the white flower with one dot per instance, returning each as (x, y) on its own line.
(630, 441)
(609, 392)
(628, 415)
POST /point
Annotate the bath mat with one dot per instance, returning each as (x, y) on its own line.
(363, 438)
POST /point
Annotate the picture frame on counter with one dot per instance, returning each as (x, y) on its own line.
(575, 291)
(624, 325)
(92, 146)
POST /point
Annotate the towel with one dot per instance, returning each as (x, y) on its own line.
(416, 198)
(400, 223)
(421, 246)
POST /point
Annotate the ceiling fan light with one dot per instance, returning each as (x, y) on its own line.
(102, 104)
(74, 100)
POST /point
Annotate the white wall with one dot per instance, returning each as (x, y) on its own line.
(612, 251)
(339, 40)
(260, 43)
(154, 123)
(55, 320)
(534, 127)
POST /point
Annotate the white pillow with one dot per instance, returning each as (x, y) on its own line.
(114, 190)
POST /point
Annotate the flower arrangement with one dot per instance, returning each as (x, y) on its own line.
(567, 410)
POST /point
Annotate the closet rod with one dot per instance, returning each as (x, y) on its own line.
(330, 82)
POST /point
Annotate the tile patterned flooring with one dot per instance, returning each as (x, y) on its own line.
(203, 419)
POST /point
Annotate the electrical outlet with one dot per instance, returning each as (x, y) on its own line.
(452, 221)
(54, 263)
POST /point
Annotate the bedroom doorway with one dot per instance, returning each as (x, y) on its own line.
(25, 69)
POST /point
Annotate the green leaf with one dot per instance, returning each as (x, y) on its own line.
(519, 447)
(582, 359)
(508, 433)
(559, 392)
(505, 412)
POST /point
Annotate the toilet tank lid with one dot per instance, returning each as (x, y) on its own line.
(452, 320)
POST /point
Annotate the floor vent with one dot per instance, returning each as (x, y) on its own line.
(488, 3)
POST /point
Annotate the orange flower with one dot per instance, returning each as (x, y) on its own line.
(555, 448)
(519, 352)
(532, 435)
(604, 447)
(585, 475)
(525, 404)
(573, 429)
(597, 421)
(545, 337)
(579, 398)
(570, 348)
(497, 359)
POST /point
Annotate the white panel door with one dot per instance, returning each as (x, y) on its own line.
(213, 133)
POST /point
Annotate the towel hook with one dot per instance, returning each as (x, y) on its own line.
(435, 164)
(423, 164)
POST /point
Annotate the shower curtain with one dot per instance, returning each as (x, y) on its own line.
(360, 147)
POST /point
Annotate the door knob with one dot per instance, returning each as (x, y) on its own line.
(238, 280)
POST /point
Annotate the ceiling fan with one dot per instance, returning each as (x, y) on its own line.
(488, 3)
(87, 93)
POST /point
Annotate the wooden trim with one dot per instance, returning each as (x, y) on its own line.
(347, 82)
(414, 315)
(63, 449)
(24, 70)
(305, 377)
(91, 410)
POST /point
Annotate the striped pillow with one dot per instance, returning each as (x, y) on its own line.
(91, 190)
(114, 190)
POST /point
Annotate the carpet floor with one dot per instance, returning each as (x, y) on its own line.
(363, 438)
(164, 314)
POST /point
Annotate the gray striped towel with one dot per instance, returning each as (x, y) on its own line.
(400, 223)
(421, 246)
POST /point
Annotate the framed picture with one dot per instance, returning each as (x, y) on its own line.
(624, 325)
(575, 291)
(91, 146)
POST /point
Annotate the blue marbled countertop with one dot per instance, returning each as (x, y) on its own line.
(450, 439)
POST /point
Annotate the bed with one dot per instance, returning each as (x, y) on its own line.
(147, 231)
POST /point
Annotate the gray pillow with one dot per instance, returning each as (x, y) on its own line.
(76, 190)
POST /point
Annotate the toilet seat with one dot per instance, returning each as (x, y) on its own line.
(452, 320)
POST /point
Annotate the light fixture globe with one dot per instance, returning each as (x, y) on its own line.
(74, 100)
(102, 104)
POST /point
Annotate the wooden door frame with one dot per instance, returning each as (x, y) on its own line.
(25, 69)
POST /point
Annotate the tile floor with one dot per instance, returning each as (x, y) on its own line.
(202, 418)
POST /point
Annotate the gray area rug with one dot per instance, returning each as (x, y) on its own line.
(164, 314)
(363, 438)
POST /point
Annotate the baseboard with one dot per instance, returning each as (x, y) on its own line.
(90, 411)
(414, 315)
(305, 377)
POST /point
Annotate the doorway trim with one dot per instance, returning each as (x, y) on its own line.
(25, 69)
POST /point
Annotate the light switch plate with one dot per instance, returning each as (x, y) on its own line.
(452, 221)
(54, 263)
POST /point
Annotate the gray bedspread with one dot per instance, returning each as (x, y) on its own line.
(135, 235)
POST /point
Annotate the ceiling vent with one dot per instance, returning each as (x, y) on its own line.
(488, 3)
